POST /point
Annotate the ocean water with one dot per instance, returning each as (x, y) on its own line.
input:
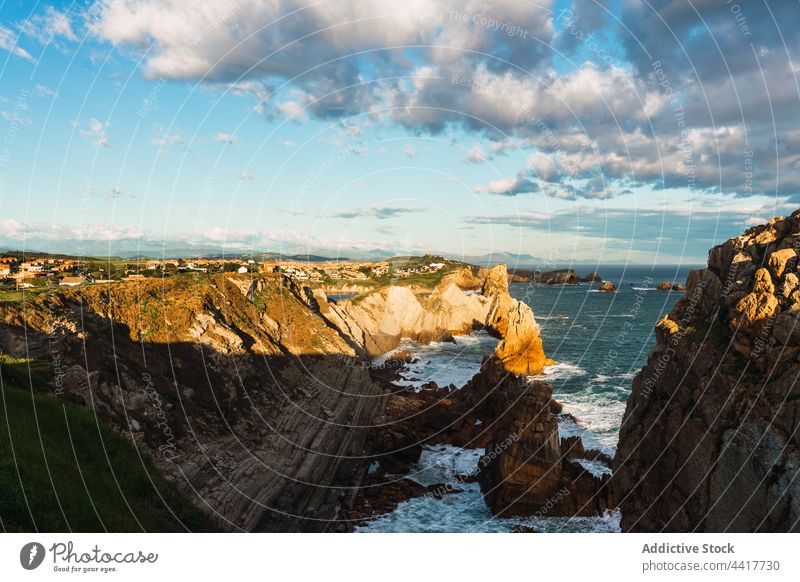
(599, 342)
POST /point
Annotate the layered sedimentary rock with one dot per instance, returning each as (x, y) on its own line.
(376, 323)
(246, 400)
(709, 440)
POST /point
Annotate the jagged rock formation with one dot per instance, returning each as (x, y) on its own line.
(376, 323)
(608, 287)
(527, 470)
(521, 348)
(670, 286)
(709, 440)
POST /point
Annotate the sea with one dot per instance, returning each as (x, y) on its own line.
(599, 341)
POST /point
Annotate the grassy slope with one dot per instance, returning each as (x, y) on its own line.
(61, 470)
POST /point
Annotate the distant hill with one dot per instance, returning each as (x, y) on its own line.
(491, 259)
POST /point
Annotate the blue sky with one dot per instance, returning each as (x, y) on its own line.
(611, 131)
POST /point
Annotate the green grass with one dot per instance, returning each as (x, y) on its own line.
(62, 470)
(13, 295)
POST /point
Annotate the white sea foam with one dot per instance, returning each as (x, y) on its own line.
(594, 467)
(444, 363)
(598, 419)
(444, 464)
(463, 508)
(560, 371)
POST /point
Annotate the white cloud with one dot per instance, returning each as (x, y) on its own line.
(247, 177)
(45, 91)
(510, 186)
(379, 212)
(164, 140)
(287, 143)
(9, 42)
(96, 133)
(291, 109)
(226, 138)
(49, 27)
(409, 151)
(475, 155)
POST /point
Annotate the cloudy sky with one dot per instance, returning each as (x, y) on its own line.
(616, 131)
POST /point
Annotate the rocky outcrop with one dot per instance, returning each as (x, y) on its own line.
(520, 349)
(557, 277)
(375, 323)
(254, 395)
(466, 278)
(527, 470)
(670, 286)
(607, 287)
(709, 440)
(246, 400)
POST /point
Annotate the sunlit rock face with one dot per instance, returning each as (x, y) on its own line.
(709, 441)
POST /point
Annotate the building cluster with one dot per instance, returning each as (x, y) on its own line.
(349, 271)
(71, 272)
(30, 272)
(202, 265)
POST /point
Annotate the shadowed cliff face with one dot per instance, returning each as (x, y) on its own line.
(252, 395)
(709, 440)
(253, 407)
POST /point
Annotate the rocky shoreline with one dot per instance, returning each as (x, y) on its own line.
(259, 399)
(267, 420)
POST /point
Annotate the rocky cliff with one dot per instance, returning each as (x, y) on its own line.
(375, 323)
(246, 400)
(709, 440)
(253, 396)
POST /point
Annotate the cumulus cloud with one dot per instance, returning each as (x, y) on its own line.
(510, 186)
(691, 94)
(409, 150)
(475, 155)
